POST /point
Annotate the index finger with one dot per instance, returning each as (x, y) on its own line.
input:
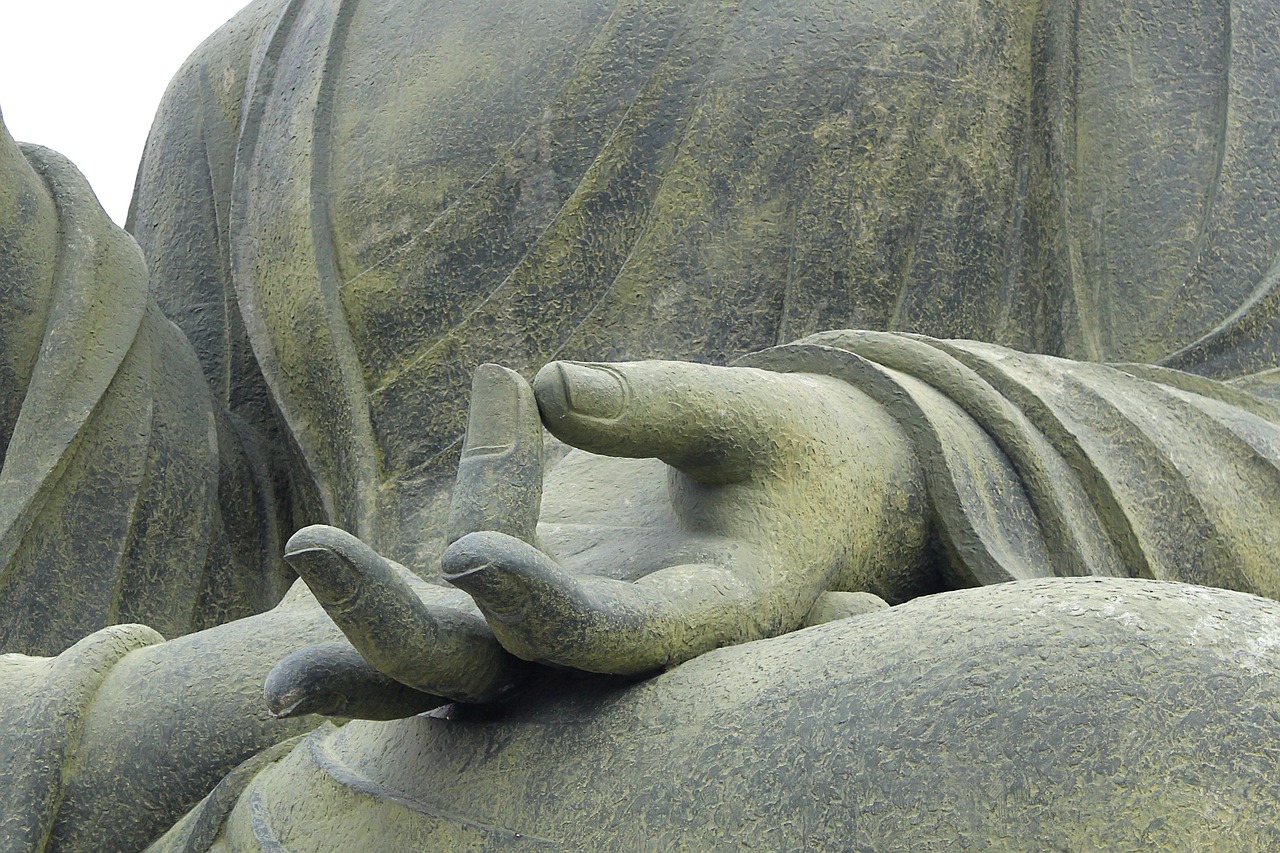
(499, 484)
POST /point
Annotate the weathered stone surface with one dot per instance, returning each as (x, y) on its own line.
(348, 205)
(1045, 715)
(125, 493)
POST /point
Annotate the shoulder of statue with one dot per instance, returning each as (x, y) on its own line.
(218, 69)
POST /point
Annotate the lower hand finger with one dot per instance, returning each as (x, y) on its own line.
(432, 648)
(335, 680)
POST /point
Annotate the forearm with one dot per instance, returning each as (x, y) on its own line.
(172, 719)
(1041, 466)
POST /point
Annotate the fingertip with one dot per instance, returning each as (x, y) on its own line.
(464, 554)
(496, 591)
(334, 680)
(486, 547)
(475, 548)
(296, 684)
(303, 540)
(331, 562)
(500, 401)
(492, 372)
(321, 536)
(501, 573)
(286, 703)
(549, 391)
(566, 389)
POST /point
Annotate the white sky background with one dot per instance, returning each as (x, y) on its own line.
(84, 77)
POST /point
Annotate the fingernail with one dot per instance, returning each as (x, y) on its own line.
(494, 412)
(593, 391)
(333, 580)
(497, 592)
(288, 694)
(320, 703)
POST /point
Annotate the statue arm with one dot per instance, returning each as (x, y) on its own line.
(1039, 466)
(1033, 466)
(138, 728)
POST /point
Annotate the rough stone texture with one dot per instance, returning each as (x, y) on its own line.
(107, 743)
(125, 494)
(348, 205)
(1047, 715)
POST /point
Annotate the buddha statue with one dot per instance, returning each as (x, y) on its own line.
(697, 424)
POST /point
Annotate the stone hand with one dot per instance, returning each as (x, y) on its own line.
(415, 645)
(740, 498)
(731, 500)
(407, 633)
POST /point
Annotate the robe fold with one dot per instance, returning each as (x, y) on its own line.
(350, 204)
(1043, 467)
(125, 496)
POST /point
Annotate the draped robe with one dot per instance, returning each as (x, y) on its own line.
(126, 495)
(349, 204)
